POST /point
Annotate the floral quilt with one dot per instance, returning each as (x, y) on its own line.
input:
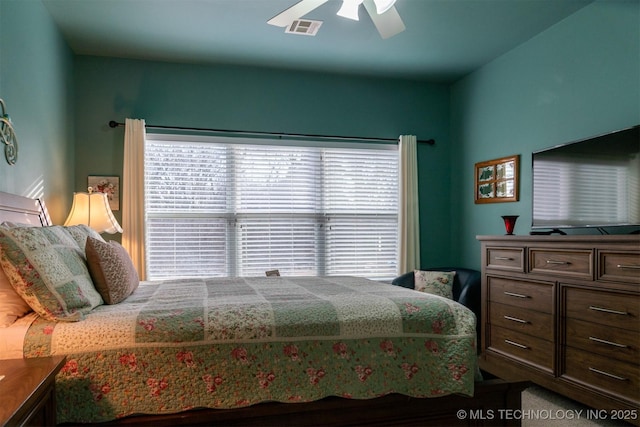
(233, 342)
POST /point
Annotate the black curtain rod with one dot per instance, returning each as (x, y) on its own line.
(114, 124)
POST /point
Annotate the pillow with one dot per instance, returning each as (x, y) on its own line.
(11, 224)
(113, 273)
(45, 269)
(435, 282)
(80, 233)
(12, 305)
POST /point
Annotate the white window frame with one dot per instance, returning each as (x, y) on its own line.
(320, 216)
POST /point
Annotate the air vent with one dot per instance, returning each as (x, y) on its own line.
(304, 26)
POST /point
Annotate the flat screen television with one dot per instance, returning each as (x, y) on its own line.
(589, 183)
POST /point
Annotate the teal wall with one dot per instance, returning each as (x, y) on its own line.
(265, 100)
(36, 73)
(578, 79)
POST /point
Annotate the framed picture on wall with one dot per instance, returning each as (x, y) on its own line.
(497, 180)
(110, 185)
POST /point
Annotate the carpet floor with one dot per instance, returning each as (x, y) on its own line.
(544, 408)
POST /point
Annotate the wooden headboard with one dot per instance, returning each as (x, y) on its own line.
(23, 210)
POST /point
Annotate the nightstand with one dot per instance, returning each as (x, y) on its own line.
(28, 391)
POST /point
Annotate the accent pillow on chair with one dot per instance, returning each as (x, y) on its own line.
(435, 282)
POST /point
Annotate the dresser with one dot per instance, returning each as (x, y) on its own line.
(564, 312)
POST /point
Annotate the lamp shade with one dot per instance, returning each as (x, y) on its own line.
(93, 209)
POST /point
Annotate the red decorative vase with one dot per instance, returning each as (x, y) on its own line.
(509, 223)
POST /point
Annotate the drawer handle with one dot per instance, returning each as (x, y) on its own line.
(601, 341)
(515, 319)
(606, 310)
(607, 374)
(512, 294)
(628, 267)
(550, 261)
(516, 344)
(504, 258)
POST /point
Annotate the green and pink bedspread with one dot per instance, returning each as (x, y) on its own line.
(233, 342)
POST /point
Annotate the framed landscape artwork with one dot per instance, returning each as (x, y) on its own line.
(109, 185)
(496, 180)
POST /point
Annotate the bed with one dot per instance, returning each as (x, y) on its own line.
(244, 351)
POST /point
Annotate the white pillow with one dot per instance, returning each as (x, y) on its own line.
(12, 305)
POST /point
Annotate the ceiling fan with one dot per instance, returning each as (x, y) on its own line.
(383, 14)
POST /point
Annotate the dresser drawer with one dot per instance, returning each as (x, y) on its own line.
(619, 344)
(505, 258)
(603, 307)
(528, 322)
(534, 351)
(567, 263)
(520, 293)
(619, 266)
(615, 378)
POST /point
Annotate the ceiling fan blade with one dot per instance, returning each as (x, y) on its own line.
(296, 11)
(388, 24)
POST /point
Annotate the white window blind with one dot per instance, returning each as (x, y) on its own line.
(218, 208)
(360, 200)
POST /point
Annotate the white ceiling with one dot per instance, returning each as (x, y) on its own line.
(444, 39)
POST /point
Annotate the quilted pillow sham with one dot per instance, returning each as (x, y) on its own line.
(111, 269)
(44, 267)
(80, 233)
(435, 282)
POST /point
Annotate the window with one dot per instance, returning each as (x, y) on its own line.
(226, 208)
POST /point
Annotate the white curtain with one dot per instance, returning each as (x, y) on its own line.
(408, 209)
(133, 194)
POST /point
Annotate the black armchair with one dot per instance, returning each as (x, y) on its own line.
(466, 289)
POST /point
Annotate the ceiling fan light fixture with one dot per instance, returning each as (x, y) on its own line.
(383, 5)
(349, 9)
